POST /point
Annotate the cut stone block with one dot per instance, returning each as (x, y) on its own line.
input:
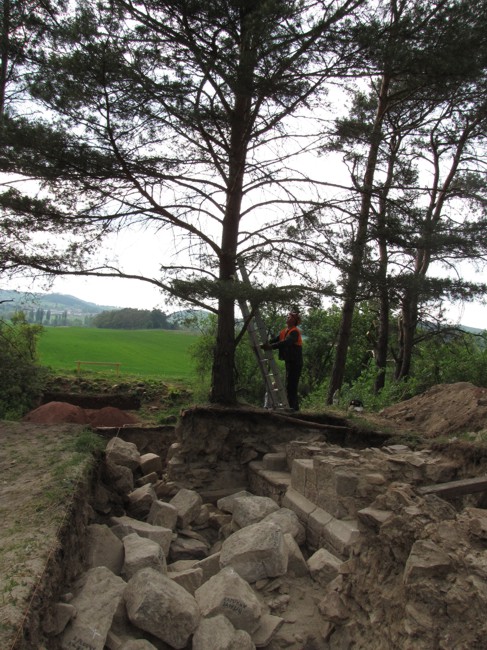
(151, 463)
(288, 522)
(140, 553)
(124, 453)
(188, 504)
(256, 552)
(226, 503)
(218, 633)
(229, 594)
(302, 506)
(276, 461)
(125, 525)
(296, 565)
(96, 604)
(163, 514)
(140, 501)
(190, 579)
(324, 566)
(104, 548)
(156, 604)
(251, 510)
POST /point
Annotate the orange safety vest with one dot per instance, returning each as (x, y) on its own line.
(283, 334)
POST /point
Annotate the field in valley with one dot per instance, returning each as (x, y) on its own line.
(149, 353)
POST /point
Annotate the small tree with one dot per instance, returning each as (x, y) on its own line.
(21, 378)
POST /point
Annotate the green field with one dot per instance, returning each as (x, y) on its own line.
(148, 353)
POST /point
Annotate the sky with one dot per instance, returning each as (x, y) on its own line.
(117, 292)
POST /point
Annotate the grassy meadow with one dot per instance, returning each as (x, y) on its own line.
(146, 353)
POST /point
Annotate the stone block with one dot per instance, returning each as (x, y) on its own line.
(104, 548)
(188, 504)
(122, 526)
(302, 506)
(324, 566)
(95, 604)
(140, 553)
(256, 552)
(252, 509)
(300, 469)
(190, 579)
(124, 453)
(340, 536)
(163, 514)
(276, 461)
(229, 594)
(296, 565)
(158, 605)
(151, 463)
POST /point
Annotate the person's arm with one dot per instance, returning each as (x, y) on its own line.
(290, 340)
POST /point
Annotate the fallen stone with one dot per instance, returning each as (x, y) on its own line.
(226, 503)
(201, 521)
(218, 633)
(324, 566)
(187, 548)
(147, 478)
(151, 463)
(426, 560)
(181, 565)
(59, 616)
(124, 453)
(288, 522)
(269, 625)
(103, 548)
(95, 604)
(373, 517)
(140, 553)
(125, 525)
(251, 510)
(256, 552)
(209, 565)
(118, 476)
(138, 644)
(229, 594)
(140, 501)
(296, 565)
(188, 504)
(156, 604)
(162, 514)
(190, 579)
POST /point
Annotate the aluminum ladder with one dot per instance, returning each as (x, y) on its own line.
(276, 396)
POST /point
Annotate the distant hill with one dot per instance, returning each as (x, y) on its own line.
(68, 310)
(55, 302)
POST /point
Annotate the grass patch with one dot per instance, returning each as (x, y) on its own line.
(144, 353)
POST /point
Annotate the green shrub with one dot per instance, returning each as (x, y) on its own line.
(21, 378)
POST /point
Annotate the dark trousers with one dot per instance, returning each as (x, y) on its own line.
(293, 373)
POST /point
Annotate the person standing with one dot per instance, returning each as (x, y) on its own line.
(289, 343)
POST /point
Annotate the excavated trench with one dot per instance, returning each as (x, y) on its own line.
(386, 566)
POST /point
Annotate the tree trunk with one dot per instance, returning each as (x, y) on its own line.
(352, 281)
(223, 375)
(4, 52)
(408, 324)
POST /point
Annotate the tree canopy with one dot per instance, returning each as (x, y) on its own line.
(203, 123)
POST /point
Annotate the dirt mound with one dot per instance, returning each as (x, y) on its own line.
(444, 409)
(59, 412)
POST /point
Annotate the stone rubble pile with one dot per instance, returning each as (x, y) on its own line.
(323, 548)
(179, 573)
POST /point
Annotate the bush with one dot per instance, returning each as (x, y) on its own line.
(21, 379)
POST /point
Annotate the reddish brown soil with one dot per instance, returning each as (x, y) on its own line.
(60, 412)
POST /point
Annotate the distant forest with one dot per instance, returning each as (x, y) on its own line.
(134, 319)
